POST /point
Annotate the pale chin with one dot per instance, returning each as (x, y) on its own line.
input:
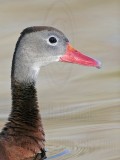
(58, 58)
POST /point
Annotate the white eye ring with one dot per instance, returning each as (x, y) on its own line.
(52, 40)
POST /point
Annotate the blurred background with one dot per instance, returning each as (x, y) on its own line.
(80, 106)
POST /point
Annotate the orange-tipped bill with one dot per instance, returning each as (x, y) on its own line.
(74, 56)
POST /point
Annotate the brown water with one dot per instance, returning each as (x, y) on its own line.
(80, 106)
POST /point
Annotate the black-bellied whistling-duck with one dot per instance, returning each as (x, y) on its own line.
(23, 137)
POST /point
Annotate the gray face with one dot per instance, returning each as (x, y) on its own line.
(45, 45)
(36, 49)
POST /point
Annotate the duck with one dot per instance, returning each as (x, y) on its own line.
(23, 135)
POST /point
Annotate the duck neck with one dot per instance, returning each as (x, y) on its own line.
(25, 109)
(25, 124)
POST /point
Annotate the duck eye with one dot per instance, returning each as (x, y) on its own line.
(52, 40)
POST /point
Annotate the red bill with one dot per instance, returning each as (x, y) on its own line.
(74, 56)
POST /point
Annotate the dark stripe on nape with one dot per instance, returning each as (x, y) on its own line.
(38, 28)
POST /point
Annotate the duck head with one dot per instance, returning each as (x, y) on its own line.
(39, 46)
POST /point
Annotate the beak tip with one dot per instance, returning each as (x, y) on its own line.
(99, 64)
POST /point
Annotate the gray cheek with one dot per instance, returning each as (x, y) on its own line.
(57, 50)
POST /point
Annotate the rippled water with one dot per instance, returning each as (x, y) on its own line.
(80, 106)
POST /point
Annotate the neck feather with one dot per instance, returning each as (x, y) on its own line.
(25, 125)
(24, 103)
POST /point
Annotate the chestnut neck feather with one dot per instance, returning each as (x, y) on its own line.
(24, 104)
(25, 127)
